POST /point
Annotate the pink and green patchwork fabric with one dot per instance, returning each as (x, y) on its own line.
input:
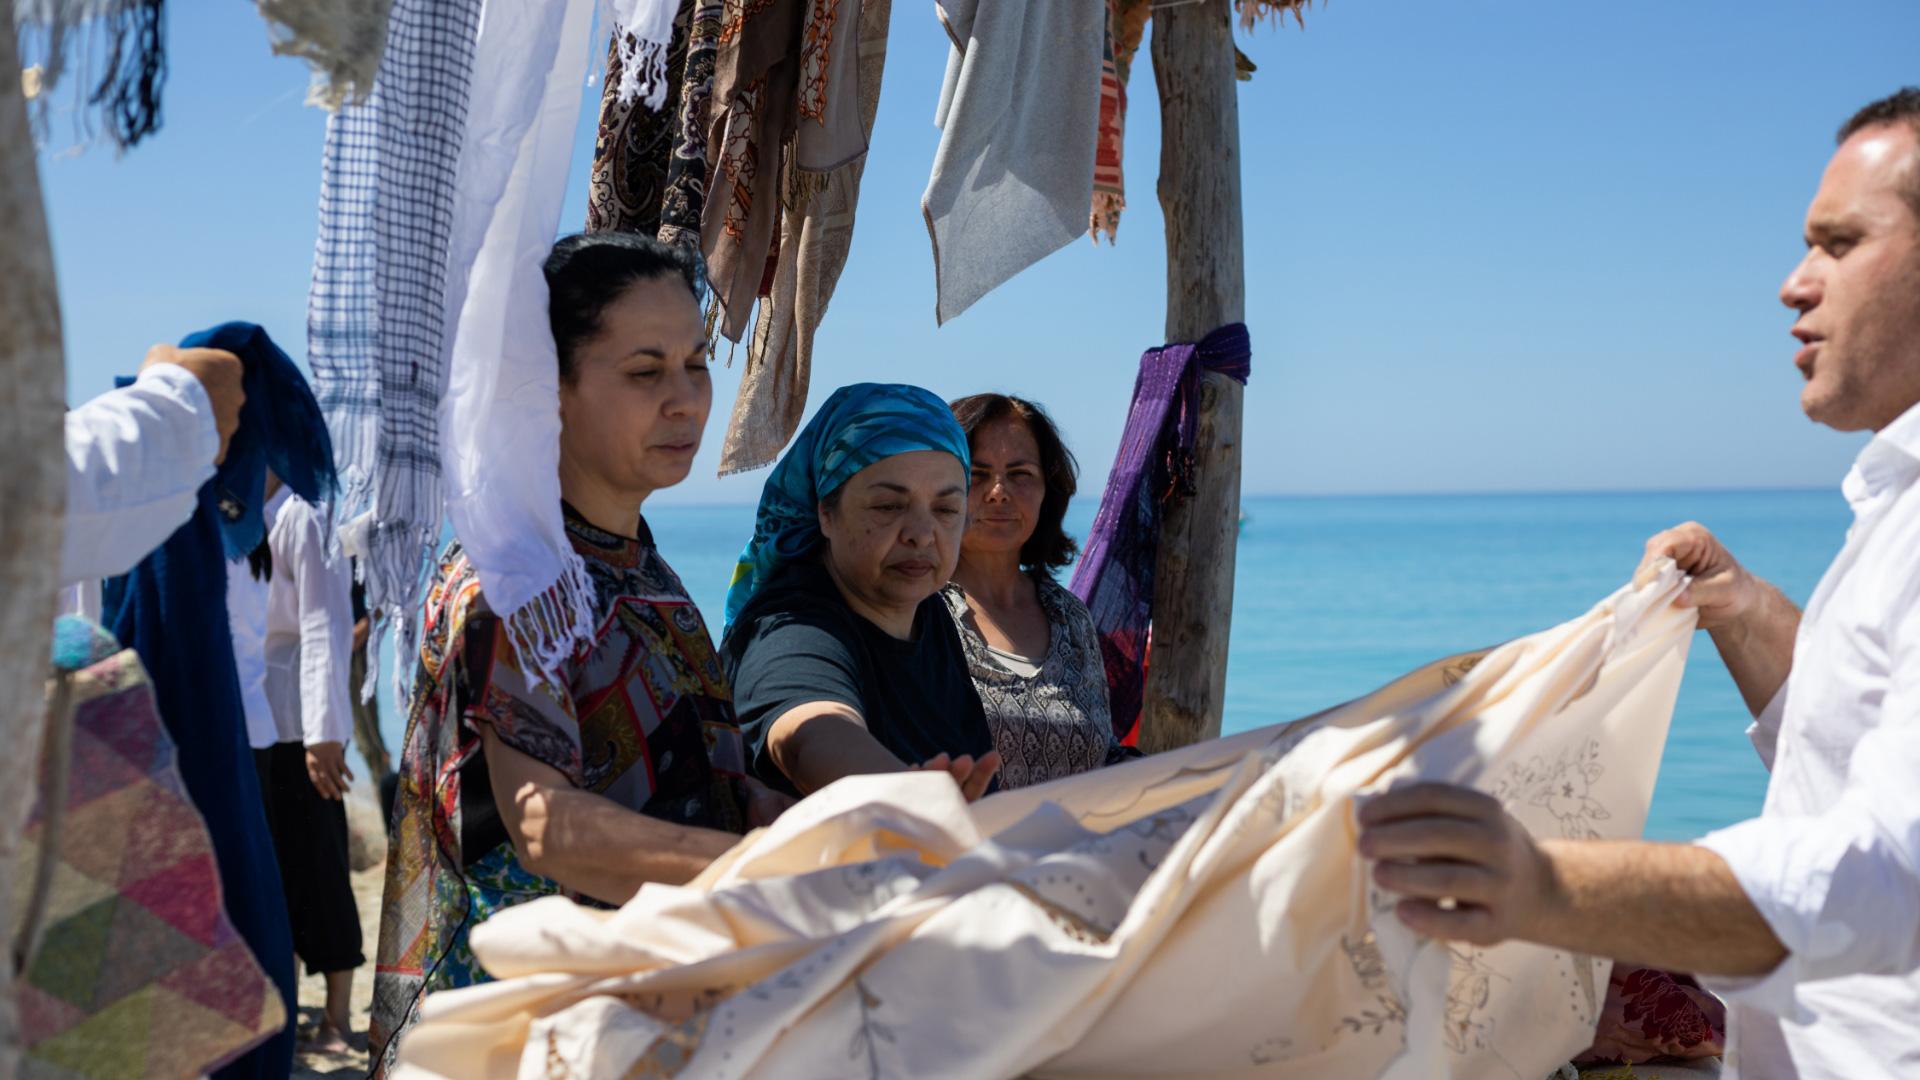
(139, 972)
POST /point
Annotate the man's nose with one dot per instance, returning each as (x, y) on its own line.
(1802, 290)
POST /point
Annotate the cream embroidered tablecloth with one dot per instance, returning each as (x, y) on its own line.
(1196, 913)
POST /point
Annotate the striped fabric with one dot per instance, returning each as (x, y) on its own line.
(376, 307)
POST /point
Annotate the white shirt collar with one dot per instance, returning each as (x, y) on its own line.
(1889, 461)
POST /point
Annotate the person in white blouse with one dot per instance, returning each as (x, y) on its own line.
(292, 617)
(1806, 918)
(137, 456)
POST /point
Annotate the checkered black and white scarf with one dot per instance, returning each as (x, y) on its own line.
(376, 311)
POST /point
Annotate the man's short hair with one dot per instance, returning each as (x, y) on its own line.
(1901, 107)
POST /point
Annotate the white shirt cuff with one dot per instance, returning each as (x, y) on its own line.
(181, 385)
(1787, 883)
(1764, 732)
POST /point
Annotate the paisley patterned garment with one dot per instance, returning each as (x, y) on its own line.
(646, 720)
(1053, 723)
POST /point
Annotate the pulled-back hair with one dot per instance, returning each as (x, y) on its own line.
(587, 271)
(1049, 547)
(1900, 107)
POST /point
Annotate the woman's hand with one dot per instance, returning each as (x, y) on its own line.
(972, 776)
(765, 805)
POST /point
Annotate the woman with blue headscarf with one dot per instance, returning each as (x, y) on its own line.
(842, 656)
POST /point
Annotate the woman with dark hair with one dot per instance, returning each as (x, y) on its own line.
(841, 654)
(1031, 645)
(632, 769)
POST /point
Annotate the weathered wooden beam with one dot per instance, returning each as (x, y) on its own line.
(33, 492)
(1206, 288)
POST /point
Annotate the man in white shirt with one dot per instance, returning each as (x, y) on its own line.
(137, 457)
(1807, 918)
(292, 618)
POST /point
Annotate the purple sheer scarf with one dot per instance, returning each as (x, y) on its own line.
(1155, 463)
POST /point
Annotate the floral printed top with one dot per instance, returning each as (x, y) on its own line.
(647, 721)
(1053, 722)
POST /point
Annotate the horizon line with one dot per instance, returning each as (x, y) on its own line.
(1518, 493)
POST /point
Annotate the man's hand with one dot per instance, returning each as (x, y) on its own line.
(765, 805)
(1753, 623)
(1470, 872)
(1722, 590)
(219, 372)
(972, 776)
(327, 768)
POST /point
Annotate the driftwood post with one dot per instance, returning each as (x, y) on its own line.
(32, 493)
(1193, 63)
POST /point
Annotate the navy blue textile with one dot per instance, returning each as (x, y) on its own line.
(172, 610)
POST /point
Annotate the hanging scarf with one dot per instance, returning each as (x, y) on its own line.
(341, 40)
(169, 610)
(123, 41)
(1155, 463)
(1126, 23)
(684, 196)
(375, 314)
(643, 41)
(628, 181)
(756, 76)
(854, 428)
(501, 414)
(1019, 116)
(816, 236)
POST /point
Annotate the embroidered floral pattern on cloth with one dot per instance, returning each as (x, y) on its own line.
(884, 928)
(646, 719)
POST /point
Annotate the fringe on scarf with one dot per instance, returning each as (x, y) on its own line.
(547, 630)
(123, 41)
(643, 71)
(392, 568)
(1105, 216)
(1252, 11)
(341, 40)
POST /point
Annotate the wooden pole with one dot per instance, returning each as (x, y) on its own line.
(1193, 64)
(33, 493)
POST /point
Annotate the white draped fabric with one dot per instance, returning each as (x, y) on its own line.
(1197, 913)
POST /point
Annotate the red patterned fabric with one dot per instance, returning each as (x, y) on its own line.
(1654, 1015)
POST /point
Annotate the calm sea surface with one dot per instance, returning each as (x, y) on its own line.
(1337, 595)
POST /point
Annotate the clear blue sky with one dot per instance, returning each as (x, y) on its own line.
(1491, 244)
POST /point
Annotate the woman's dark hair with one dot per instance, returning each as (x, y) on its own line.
(1049, 547)
(587, 271)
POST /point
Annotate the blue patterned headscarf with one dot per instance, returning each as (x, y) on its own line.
(857, 426)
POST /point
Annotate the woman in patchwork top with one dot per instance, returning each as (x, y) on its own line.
(1030, 644)
(632, 770)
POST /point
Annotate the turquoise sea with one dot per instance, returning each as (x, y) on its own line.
(1336, 595)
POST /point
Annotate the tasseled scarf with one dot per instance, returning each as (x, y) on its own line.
(119, 49)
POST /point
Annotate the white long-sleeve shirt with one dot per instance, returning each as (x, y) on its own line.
(136, 459)
(1833, 862)
(293, 635)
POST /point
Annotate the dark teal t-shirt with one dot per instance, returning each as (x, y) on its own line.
(797, 641)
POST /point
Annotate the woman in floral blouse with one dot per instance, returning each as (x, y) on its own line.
(1030, 644)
